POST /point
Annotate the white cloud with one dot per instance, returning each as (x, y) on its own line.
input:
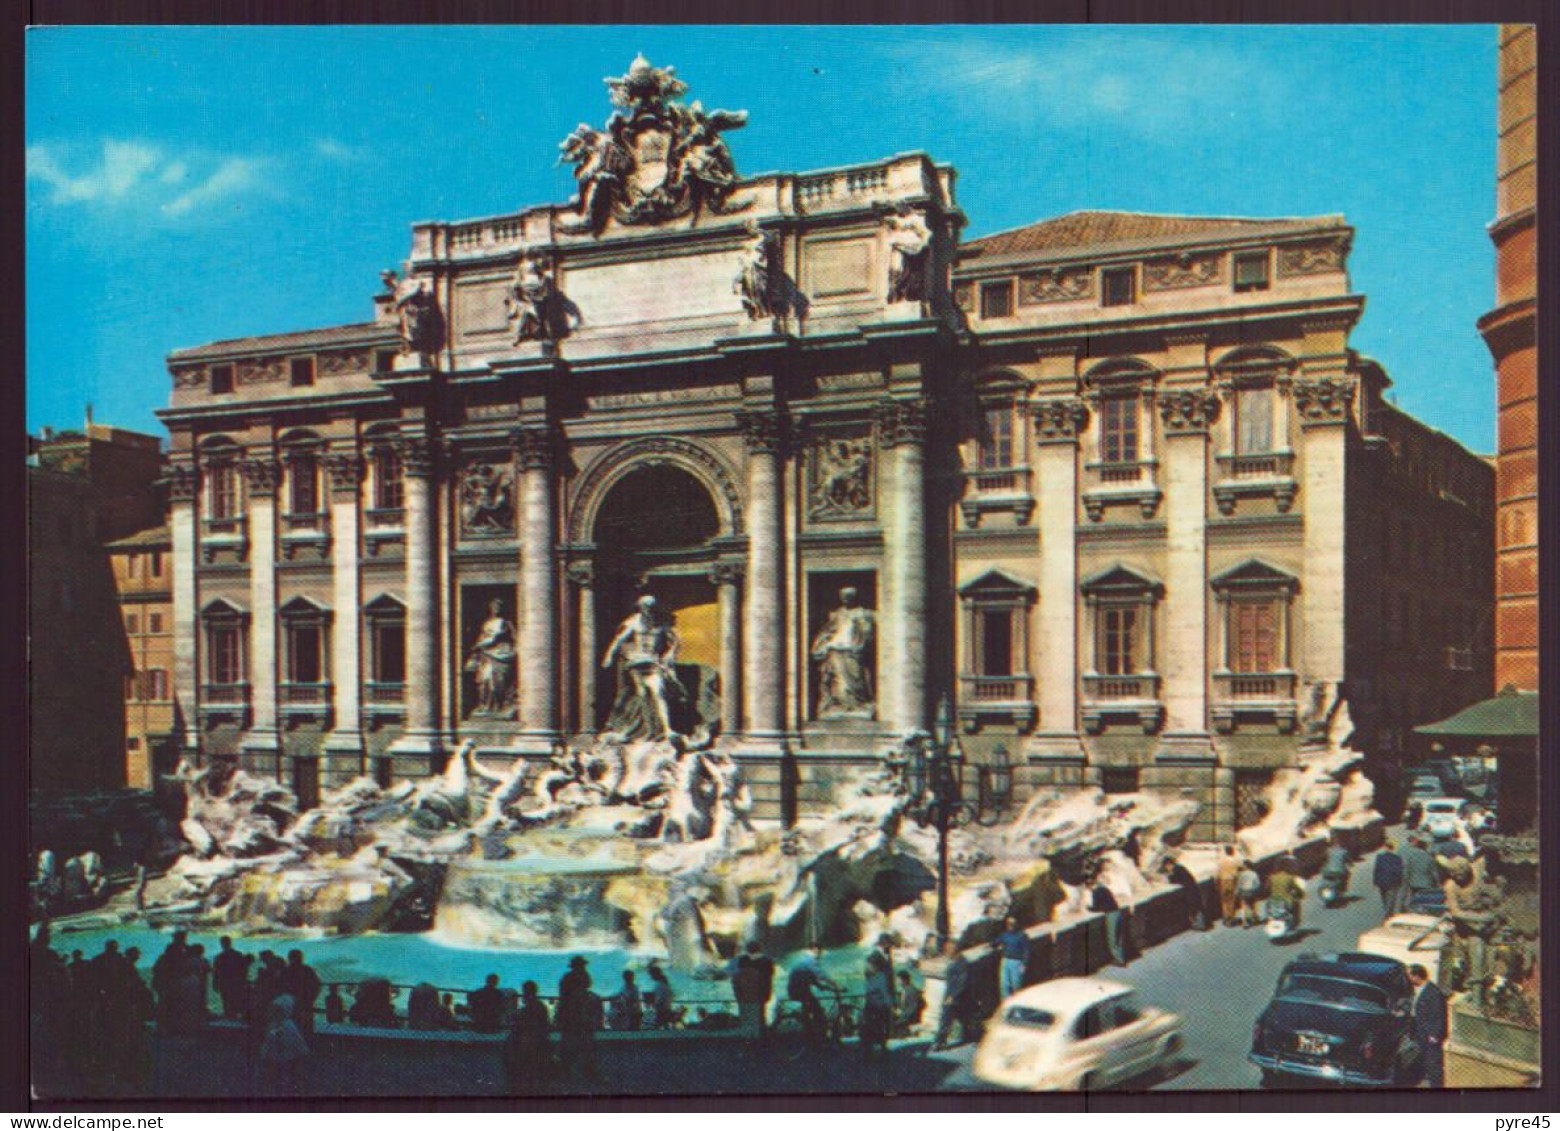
(138, 175)
(1119, 80)
(234, 176)
(334, 150)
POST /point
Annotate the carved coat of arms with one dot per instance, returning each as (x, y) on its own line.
(657, 159)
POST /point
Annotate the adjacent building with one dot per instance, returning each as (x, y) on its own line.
(1510, 330)
(84, 490)
(1115, 486)
(142, 569)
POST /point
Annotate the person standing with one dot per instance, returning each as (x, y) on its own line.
(909, 1005)
(1428, 1026)
(1387, 875)
(1248, 886)
(1228, 881)
(578, 1011)
(878, 1008)
(301, 982)
(956, 997)
(1196, 911)
(283, 1049)
(659, 997)
(753, 984)
(1013, 946)
(802, 986)
(528, 1051)
(1102, 901)
(485, 1005)
(625, 1012)
(1421, 873)
(230, 972)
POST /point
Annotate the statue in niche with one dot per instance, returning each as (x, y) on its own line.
(536, 306)
(421, 321)
(842, 484)
(491, 664)
(909, 244)
(645, 652)
(844, 677)
(485, 500)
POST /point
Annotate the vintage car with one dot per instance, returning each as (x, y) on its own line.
(1413, 940)
(1075, 1034)
(1342, 1018)
(1442, 817)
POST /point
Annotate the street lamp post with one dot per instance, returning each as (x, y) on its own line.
(935, 788)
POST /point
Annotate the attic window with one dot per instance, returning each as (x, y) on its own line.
(996, 299)
(221, 377)
(302, 372)
(384, 361)
(1251, 271)
(1119, 286)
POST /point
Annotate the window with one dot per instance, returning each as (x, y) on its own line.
(387, 478)
(1251, 271)
(132, 623)
(1254, 636)
(305, 653)
(132, 565)
(1123, 602)
(132, 688)
(1119, 429)
(995, 631)
(302, 372)
(1253, 423)
(132, 744)
(221, 379)
(222, 489)
(389, 651)
(154, 623)
(155, 558)
(996, 299)
(303, 484)
(1118, 653)
(996, 437)
(1118, 286)
(384, 361)
(224, 651)
(157, 685)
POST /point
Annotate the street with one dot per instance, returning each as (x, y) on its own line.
(1218, 982)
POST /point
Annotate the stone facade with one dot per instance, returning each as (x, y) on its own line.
(1510, 330)
(747, 406)
(142, 568)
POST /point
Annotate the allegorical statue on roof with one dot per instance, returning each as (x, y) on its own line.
(536, 307)
(421, 320)
(909, 241)
(656, 159)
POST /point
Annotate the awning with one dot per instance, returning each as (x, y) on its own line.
(1511, 714)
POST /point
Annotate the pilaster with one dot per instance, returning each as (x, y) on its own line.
(263, 475)
(537, 631)
(902, 435)
(344, 745)
(421, 737)
(1324, 406)
(186, 607)
(763, 682)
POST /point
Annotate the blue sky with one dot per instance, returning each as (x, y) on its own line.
(192, 184)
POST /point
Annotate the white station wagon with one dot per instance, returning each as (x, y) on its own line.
(1075, 1034)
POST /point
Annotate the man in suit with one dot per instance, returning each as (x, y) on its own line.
(1420, 871)
(1428, 1026)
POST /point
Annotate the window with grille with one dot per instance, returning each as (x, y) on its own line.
(222, 490)
(304, 484)
(224, 652)
(1251, 271)
(996, 299)
(1254, 635)
(1119, 429)
(996, 437)
(1253, 425)
(1118, 286)
(387, 479)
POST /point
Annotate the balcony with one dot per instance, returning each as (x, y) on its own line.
(224, 700)
(1254, 475)
(1007, 698)
(1134, 695)
(1257, 695)
(384, 698)
(305, 700)
(228, 532)
(1132, 482)
(990, 490)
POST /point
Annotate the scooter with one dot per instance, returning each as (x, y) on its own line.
(1278, 920)
(1334, 886)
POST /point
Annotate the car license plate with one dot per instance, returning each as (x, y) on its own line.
(1310, 1044)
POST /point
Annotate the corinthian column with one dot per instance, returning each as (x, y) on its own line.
(902, 434)
(763, 674)
(1187, 414)
(263, 475)
(583, 575)
(1324, 405)
(1058, 424)
(345, 742)
(727, 577)
(186, 610)
(537, 632)
(421, 733)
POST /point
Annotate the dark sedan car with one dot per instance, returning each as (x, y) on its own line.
(1342, 1018)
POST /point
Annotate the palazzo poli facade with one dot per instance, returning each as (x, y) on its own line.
(1114, 485)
